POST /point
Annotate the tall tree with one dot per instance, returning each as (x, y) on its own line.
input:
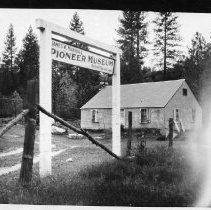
(27, 61)
(28, 56)
(166, 40)
(199, 50)
(87, 80)
(133, 37)
(10, 49)
(195, 64)
(76, 24)
(83, 83)
(66, 101)
(8, 69)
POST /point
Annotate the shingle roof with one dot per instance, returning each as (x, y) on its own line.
(149, 94)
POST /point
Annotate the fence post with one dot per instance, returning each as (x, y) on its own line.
(129, 133)
(28, 150)
(171, 125)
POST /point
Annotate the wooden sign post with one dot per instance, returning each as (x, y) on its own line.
(28, 150)
(129, 141)
(62, 52)
(171, 130)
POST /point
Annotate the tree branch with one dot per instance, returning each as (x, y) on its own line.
(77, 130)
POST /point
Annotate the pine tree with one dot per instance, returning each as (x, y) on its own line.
(83, 83)
(87, 80)
(28, 56)
(166, 40)
(133, 37)
(195, 64)
(76, 24)
(8, 69)
(199, 50)
(10, 50)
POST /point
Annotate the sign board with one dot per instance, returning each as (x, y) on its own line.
(63, 52)
(72, 55)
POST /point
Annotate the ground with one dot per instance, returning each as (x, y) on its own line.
(82, 152)
(82, 156)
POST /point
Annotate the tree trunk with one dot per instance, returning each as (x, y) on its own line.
(77, 130)
(13, 122)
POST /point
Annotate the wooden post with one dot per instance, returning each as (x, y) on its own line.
(15, 110)
(116, 132)
(46, 28)
(129, 133)
(28, 150)
(171, 126)
(13, 122)
(45, 101)
(78, 130)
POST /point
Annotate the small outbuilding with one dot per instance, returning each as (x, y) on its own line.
(151, 104)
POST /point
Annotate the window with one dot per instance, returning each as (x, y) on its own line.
(193, 115)
(94, 115)
(144, 115)
(176, 114)
(185, 92)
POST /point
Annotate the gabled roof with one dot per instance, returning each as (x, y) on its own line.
(149, 94)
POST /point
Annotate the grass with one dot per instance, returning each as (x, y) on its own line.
(156, 177)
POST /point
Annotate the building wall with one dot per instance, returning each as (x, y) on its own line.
(104, 119)
(185, 104)
(156, 116)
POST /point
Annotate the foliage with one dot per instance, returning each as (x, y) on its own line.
(28, 61)
(193, 66)
(28, 56)
(8, 73)
(133, 37)
(166, 40)
(66, 98)
(160, 177)
(199, 50)
(130, 72)
(87, 80)
(10, 50)
(8, 81)
(76, 24)
(10, 106)
(73, 86)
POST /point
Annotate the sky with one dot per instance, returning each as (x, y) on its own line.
(98, 24)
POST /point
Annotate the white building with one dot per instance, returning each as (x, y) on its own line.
(151, 104)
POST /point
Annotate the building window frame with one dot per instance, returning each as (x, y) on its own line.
(176, 116)
(94, 115)
(185, 91)
(144, 115)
